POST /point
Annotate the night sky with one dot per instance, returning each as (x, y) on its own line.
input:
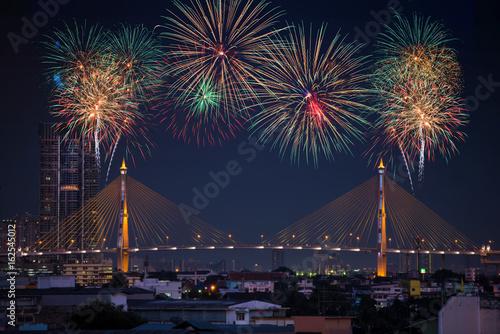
(269, 194)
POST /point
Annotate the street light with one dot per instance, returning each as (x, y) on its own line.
(167, 239)
(390, 242)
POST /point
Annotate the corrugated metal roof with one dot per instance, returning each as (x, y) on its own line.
(197, 325)
(182, 303)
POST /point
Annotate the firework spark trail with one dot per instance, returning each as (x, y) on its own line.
(313, 101)
(96, 143)
(407, 167)
(111, 159)
(214, 45)
(422, 156)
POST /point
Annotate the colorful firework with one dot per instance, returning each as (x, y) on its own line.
(421, 119)
(417, 49)
(97, 107)
(74, 57)
(214, 45)
(136, 56)
(101, 78)
(313, 101)
(73, 53)
(201, 118)
(417, 77)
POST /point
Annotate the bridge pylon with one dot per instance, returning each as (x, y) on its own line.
(381, 231)
(123, 242)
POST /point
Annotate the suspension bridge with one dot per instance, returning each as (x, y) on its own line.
(377, 216)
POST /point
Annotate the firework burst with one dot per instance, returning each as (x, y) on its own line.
(417, 77)
(74, 52)
(136, 56)
(421, 119)
(214, 51)
(100, 80)
(416, 49)
(201, 119)
(96, 107)
(312, 100)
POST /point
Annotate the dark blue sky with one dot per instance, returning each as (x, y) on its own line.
(268, 194)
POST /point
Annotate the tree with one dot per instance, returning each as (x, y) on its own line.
(104, 315)
(297, 302)
(393, 317)
(284, 270)
(367, 312)
(442, 275)
(117, 281)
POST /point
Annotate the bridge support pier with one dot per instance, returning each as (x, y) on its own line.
(442, 261)
(381, 231)
(123, 242)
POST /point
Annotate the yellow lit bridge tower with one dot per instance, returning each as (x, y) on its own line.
(122, 248)
(381, 233)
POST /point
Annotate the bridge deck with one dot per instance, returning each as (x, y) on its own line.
(288, 247)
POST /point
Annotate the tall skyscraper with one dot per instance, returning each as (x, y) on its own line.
(68, 176)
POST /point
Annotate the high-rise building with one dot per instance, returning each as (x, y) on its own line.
(68, 176)
(278, 258)
(5, 227)
(218, 266)
(27, 230)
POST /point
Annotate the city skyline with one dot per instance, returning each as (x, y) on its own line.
(268, 194)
